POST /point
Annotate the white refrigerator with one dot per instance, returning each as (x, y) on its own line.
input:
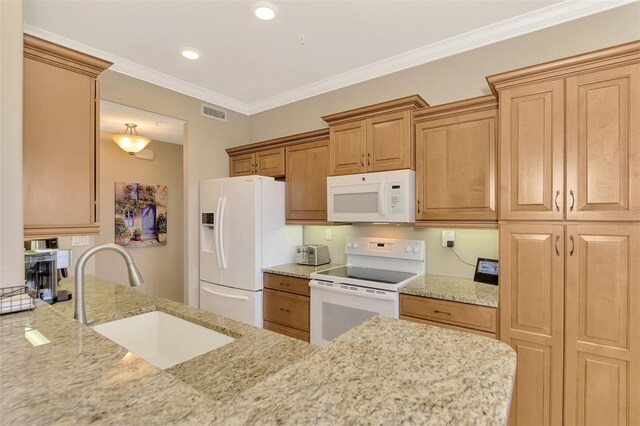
(242, 230)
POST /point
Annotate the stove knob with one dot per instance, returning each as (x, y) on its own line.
(407, 249)
(416, 249)
(356, 245)
(349, 245)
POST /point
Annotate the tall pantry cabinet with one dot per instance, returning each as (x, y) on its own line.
(569, 153)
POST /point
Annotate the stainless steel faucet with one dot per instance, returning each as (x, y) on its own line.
(135, 279)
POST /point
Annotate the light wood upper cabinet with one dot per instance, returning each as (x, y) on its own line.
(456, 161)
(60, 139)
(531, 318)
(307, 171)
(603, 145)
(587, 106)
(532, 151)
(602, 364)
(242, 165)
(264, 163)
(389, 142)
(270, 162)
(348, 148)
(374, 138)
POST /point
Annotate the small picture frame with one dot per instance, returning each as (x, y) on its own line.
(487, 271)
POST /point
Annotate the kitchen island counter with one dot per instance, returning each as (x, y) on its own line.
(384, 370)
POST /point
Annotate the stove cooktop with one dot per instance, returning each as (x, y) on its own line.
(368, 277)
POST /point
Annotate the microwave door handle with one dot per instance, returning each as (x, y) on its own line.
(382, 199)
(223, 257)
(216, 231)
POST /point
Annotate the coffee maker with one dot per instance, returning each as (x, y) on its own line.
(45, 265)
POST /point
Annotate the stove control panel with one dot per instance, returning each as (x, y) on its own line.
(385, 247)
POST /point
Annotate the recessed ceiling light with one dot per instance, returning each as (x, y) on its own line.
(265, 10)
(190, 53)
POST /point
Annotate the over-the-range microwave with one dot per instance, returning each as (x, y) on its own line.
(372, 197)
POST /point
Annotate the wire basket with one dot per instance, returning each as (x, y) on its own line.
(16, 299)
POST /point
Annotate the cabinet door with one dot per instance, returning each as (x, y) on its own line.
(270, 162)
(532, 151)
(531, 318)
(602, 365)
(456, 168)
(348, 144)
(242, 165)
(307, 170)
(59, 151)
(389, 142)
(603, 145)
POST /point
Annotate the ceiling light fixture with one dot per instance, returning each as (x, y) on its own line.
(265, 10)
(190, 53)
(129, 142)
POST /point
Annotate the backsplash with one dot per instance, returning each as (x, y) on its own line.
(469, 244)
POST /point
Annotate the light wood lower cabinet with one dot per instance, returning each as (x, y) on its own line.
(602, 351)
(61, 140)
(443, 313)
(286, 305)
(531, 318)
(307, 171)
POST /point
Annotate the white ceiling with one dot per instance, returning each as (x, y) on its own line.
(151, 125)
(249, 65)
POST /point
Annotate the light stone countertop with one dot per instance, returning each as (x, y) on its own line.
(299, 271)
(382, 371)
(452, 288)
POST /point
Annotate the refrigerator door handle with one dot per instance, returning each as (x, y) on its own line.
(216, 232)
(221, 232)
(228, 296)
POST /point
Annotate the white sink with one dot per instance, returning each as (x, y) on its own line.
(162, 339)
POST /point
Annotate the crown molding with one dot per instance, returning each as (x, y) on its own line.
(132, 69)
(565, 11)
(526, 23)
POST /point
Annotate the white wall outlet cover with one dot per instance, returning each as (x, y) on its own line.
(80, 240)
(448, 236)
(327, 235)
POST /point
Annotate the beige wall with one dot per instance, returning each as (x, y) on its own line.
(204, 155)
(457, 77)
(469, 244)
(162, 266)
(11, 224)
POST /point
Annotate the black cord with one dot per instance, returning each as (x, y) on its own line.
(466, 263)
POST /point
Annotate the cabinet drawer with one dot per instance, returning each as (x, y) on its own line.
(461, 314)
(287, 331)
(286, 309)
(449, 326)
(286, 283)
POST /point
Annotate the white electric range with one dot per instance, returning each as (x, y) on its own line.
(344, 297)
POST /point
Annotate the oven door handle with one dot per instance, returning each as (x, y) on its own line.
(387, 295)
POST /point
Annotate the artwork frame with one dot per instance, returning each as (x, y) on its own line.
(140, 214)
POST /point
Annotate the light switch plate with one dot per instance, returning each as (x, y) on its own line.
(327, 235)
(448, 236)
(80, 240)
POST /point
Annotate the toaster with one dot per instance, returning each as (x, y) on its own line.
(312, 254)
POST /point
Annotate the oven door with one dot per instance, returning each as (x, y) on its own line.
(337, 308)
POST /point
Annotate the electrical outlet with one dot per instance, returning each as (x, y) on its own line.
(80, 240)
(448, 236)
(327, 235)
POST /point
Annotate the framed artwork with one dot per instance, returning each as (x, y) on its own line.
(141, 214)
